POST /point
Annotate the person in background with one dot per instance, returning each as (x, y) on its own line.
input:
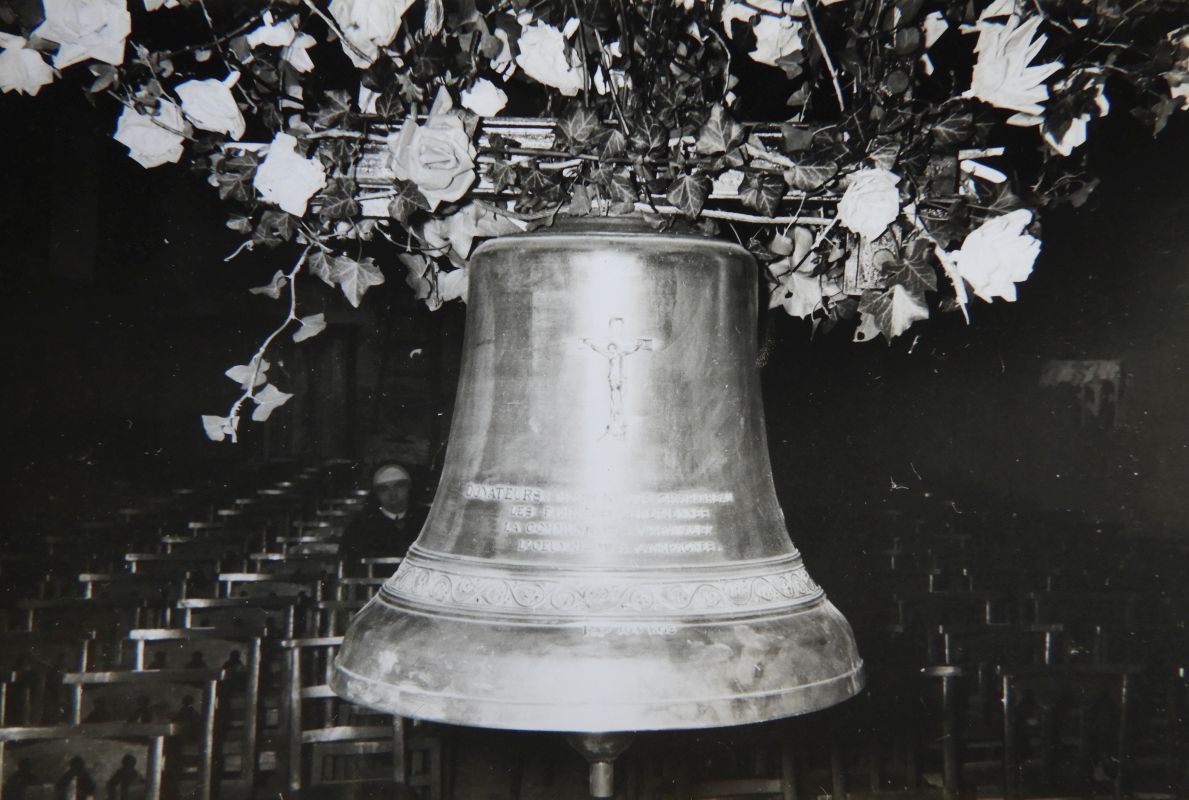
(387, 524)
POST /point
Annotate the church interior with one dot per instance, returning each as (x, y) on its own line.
(998, 509)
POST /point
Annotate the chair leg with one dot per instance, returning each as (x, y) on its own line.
(1011, 784)
(950, 739)
(788, 773)
(837, 765)
(1122, 753)
(400, 751)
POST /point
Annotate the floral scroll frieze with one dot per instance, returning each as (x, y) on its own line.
(584, 597)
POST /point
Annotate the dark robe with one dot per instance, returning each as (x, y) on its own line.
(370, 534)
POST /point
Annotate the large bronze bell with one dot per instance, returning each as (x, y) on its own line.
(605, 551)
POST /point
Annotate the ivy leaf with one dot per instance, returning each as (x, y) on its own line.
(539, 188)
(894, 310)
(274, 288)
(763, 192)
(105, 76)
(883, 152)
(796, 137)
(234, 177)
(579, 201)
(501, 174)
(612, 143)
(579, 127)
(311, 326)
(267, 400)
(336, 153)
(955, 128)
(453, 285)
(407, 200)
(336, 107)
(244, 374)
(274, 227)
(389, 105)
(239, 223)
(688, 193)
(811, 174)
(355, 277)
(417, 268)
(719, 134)
(322, 266)
(338, 200)
(614, 185)
(1002, 200)
(915, 271)
(649, 135)
(217, 428)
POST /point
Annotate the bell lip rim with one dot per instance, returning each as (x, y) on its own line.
(833, 691)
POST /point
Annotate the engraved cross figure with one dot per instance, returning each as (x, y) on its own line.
(615, 350)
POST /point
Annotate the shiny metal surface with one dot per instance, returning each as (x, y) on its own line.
(605, 551)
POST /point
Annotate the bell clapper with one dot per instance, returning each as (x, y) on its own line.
(600, 751)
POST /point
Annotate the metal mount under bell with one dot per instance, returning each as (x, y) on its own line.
(605, 551)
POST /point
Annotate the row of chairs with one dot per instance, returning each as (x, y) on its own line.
(181, 664)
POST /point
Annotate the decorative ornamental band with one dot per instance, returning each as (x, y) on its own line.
(436, 586)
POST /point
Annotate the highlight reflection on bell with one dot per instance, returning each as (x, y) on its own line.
(605, 551)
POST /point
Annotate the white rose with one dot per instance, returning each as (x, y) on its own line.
(870, 202)
(484, 98)
(273, 34)
(86, 29)
(287, 179)
(503, 62)
(368, 26)
(152, 140)
(437, 156)
(296, 53)
(997, 255)
(777, 34)
(1075, 134)
(1178, 87)
(546, 59)
(934, 26)
(210, 105)
(1002, 76)
(21, 69)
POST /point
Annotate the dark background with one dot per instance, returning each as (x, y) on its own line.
(121, 315)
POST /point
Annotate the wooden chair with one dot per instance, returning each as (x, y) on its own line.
(928, 609)
(751, 761)
(380, 566)
(157, 696)
(115, 615)
(116, 760)
(32, 664)
(239, 656)
(275, 617)
(347, 744)
(309, 547)
(358, 590)
(1084, 616)
(1067, 727)
(175, 565)
(295, 564)
(331, 617)
(266, 584)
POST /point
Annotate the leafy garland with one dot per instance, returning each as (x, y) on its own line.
(861, 149)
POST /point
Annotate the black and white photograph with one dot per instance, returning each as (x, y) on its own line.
(609, 399)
